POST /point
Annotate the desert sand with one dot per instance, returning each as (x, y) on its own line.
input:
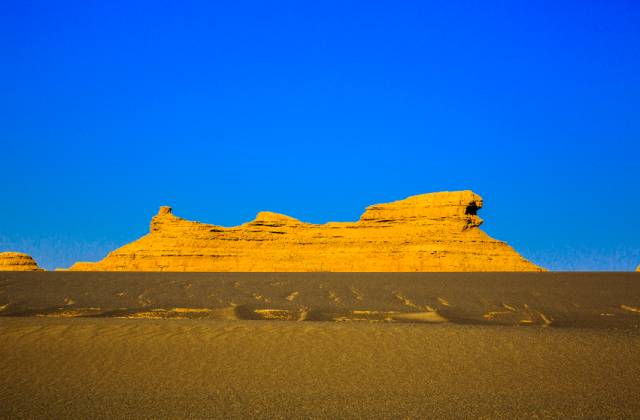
(319, 345)
(590, 300)
(144, 368)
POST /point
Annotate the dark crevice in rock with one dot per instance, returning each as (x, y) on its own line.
(472, 209)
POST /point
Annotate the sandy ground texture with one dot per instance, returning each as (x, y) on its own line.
(148, 368)
(212, 345)
(586, 300)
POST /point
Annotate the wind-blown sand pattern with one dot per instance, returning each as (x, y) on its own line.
(587, 300)
(428, 232)
(132, 368)
(250, 345)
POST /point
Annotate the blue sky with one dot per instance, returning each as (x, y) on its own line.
(317, 109)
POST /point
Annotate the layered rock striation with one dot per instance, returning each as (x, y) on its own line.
(17, 261)
(428, 232)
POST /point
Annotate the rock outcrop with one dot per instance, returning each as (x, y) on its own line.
(428, 232)
(17, 261)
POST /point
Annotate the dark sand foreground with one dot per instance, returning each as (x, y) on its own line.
(421, 346)
(587, 300)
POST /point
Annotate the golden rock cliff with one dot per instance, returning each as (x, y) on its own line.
(428, 232)
(17, 261)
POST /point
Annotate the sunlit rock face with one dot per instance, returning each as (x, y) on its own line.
(17, 261)
(428, 232)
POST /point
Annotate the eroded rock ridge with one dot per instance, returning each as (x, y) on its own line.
(17, 261)
(428, 232)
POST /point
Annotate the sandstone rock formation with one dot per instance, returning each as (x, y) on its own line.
(429, 232)
(17, 261)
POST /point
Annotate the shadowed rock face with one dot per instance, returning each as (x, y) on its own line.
(17, 261)
(428, 232)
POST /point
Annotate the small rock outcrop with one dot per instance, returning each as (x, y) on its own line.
(17, 261)
(428, 232)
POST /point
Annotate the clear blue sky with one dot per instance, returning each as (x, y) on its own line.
(109, 109)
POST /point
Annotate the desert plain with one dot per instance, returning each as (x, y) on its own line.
(319, 345)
